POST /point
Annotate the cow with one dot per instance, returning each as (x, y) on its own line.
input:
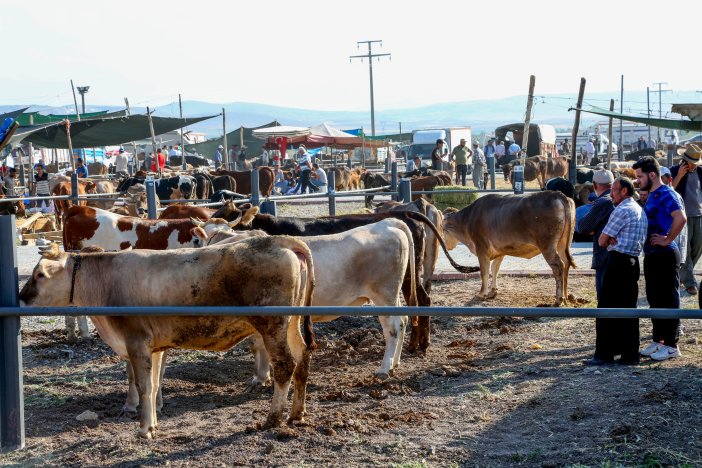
(217, 276)
(225, 195)
(583, 175)
(247, 217)
(243, 180)
(104, 187)
(343, 279)
(224, 182)
(520, 226)
(64, 188)
(169, 188)
(374, 180)
(203, 185)
(186, 212)
(426, 183)
(134, 204)
(420, 336)
(97, 168)
(85, 226)
(539, 168)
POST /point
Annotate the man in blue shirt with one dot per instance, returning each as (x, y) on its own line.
(623, 236)
(81, 170)
(666, 218)
(514, 149)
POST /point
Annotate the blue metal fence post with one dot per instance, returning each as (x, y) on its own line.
(74, 188)
(255, 194)
(518, 173)
(405, 191)
(331, 190)
(491, 171)
(387, 165)
(393, 180)
(151, 197)
(11, 387)
(269, 207)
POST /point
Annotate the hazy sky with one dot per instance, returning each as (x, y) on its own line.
(297, 53)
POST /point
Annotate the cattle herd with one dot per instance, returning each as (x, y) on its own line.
(237, 256)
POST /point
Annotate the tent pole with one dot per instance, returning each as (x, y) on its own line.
(224, 140)
(182, 134)
(70, 145)
(527, 119)
(153, 141)
(609, 136)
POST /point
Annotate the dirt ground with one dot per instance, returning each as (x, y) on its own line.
(490, 392)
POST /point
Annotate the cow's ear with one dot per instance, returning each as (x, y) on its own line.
(90, 186)
(450, 210)
(249, 216)
(199, 233)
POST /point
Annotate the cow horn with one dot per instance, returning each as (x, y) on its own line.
(197, 222)
(52, 252)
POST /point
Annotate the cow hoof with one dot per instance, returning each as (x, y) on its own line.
(72, 338)
(256, 387)
(128, 413)
(381, 375)
(271, 422)
(147, 434)
(492, 294)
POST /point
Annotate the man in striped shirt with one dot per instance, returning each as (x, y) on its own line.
(624, 236)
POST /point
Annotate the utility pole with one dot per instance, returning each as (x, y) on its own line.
(82, 90)
(620, 149)
(370, 56)
(660, 107)
(648, 106)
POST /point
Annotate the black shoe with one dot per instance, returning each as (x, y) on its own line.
(598, 362)
(628, 361)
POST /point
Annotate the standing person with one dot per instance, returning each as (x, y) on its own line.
(264, 157)
(242, 157)
(641, 144)
(489, 149)
(413, 166)
(171, 153)
(595, 220)
(159, 160)
(121, 164)
(514, 149)
(460, 155)
(305, 168)
(41, 189)
(479, 166)
(437, 155)
(81, 170)
(147, 161)
(623, 236)
(233, 153)
(218, 157)
(589, 151)
(566, 147)
(672, 143)
(10, 182)
(666, 219)
(687, 181)
(681, 240)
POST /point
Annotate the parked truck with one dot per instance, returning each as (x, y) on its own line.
(424, 141)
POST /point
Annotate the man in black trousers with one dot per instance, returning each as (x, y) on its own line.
(624, 237)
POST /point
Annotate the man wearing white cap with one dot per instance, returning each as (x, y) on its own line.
(218, 157)
(595, 221)
(687, 181)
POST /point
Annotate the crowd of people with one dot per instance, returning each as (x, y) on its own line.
(666, 226)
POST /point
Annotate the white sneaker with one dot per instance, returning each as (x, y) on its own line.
(666, 352)
(650, 349)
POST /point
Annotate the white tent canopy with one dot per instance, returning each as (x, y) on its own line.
(281, 131)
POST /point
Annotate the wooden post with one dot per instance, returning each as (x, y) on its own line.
(609, 136)
(527, 119)
(70, 145)
(225, 156)
(75, 101)
(153, 141)
(576, 127)
(182, 135)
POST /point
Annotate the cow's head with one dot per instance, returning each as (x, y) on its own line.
(50, 282)
(451, 226)
(199, 236)
(90, 187)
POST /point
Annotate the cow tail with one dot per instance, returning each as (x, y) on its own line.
(569, 227)
(300, 248)
(420, 217)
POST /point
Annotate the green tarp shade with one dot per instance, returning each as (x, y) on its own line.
(253, 145)
(35, 118)
(105, 132)
(687, 125)
(13, 115)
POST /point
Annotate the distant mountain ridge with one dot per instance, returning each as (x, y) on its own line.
(481, 115)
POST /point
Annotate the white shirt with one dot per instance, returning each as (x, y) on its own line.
(589, 148)
(321, 176)
(121, 163)
(264, 157)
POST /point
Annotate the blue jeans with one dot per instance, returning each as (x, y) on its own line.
(462, 172)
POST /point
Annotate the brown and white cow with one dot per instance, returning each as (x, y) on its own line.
(186, 212)
(520, 226)
(62, 206)
(541, 169)
(346, 278)
(86, 226)
(216, 276)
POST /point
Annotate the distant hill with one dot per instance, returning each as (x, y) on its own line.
(481, 115)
